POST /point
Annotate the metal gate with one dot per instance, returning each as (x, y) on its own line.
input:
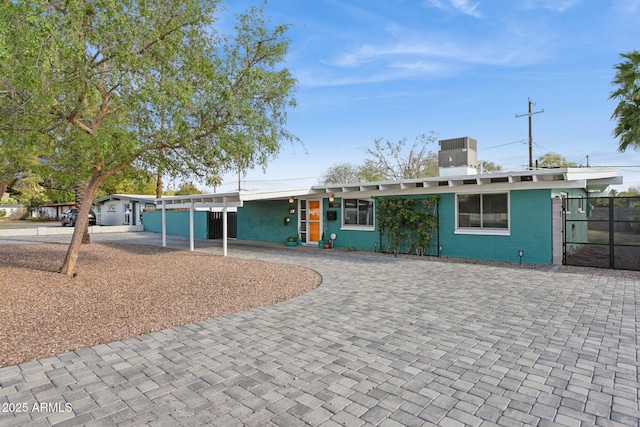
(602, 232)
(215, 225)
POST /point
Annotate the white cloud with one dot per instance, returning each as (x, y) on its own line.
(441, 47)
(462, 6)
(553, 5)
(466, 8)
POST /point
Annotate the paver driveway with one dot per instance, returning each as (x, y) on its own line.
(383, 341)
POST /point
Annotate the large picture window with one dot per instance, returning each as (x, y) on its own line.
(357, 213)
(483, 211)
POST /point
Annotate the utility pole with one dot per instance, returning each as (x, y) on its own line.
(529, 114)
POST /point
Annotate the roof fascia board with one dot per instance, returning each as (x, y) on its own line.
(273, 194)
(469, 188)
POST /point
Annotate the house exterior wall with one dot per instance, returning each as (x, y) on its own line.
(112, 212)
(51, 212)
(177, 223)
(529, 221)
(530, 231)
(10, 209)
(264, 221)
(368, 240)
(111, 217)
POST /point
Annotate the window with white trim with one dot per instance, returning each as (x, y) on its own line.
(127, 213)
(357, 213)
(483, 211)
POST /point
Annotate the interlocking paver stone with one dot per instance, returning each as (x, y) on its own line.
(383, 341)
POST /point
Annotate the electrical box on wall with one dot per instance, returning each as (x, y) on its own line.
(332, 215)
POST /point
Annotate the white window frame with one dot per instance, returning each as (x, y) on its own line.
(484, 231)
(357, 227)
(563, 197)
(128, 212)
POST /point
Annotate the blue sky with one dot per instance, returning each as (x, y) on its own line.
(392, 69)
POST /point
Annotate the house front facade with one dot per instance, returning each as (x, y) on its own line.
(510, 216)
(122, 209)
(499, 217)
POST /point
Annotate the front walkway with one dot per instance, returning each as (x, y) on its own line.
(383, 341)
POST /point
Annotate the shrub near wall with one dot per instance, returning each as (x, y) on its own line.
(407, 225)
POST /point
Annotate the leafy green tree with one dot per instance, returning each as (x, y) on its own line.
(389, 160)
(95, 87)
(627, 112)
(342, 173)
(187, 188)
(632, 191)
(130, 181)
(29, 192)
(370, 172)
(489, 167)
(554, 160)
(214, 180)
(397, 160)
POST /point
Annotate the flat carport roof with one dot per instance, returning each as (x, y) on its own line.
(233, 199)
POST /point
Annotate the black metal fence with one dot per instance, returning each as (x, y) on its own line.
(216, 226)
(602, 232)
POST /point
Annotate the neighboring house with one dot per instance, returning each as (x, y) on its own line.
(507, 216)
(10, 208)
(53, 210)
(122, 209)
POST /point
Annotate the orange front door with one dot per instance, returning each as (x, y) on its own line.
(314, 220)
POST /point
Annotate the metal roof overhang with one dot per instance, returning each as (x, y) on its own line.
(200, 201)
(217, 200)
(590, 179)
(229, 200)
(136, 197)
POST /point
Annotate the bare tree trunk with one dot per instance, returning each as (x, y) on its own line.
(159, 185)
(82, 221)
(81, 190)
(4, 185)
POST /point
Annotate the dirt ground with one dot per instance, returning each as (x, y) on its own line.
(122, 291)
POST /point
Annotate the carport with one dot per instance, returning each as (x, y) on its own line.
(217, 200)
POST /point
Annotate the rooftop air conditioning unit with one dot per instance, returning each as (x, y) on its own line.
(458, 156)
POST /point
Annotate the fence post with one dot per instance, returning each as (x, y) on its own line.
(611, 232)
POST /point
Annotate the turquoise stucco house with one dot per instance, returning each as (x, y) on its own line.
(507, 216)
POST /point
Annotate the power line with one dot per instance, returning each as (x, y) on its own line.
(579, 161)
(529, 114)
(522, 141)
(282, 179)
(613, 166)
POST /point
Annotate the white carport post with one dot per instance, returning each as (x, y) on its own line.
(191, 208)
(164, 225)
(224, 228)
